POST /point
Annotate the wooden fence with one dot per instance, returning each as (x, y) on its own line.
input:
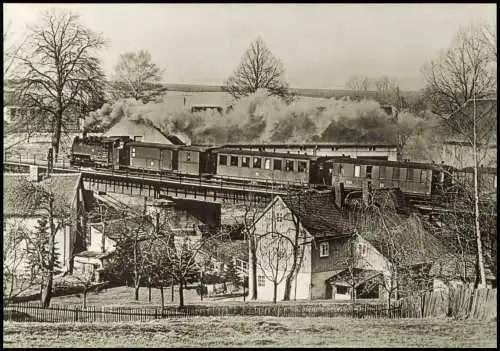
(460, 302)
(25, 312)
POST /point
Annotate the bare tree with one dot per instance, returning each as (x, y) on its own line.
(258, 69)
(247, 220)
(18, 277)
(402, 240)
(133, 248)
(386, 88)
(60, 75)
(11, 52)
(465, 74)
(86, 280)
(43, 200)
(466, 70)
(359, 84)
(275, 253)
(136, 76)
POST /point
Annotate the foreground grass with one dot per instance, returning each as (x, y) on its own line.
(256, 331)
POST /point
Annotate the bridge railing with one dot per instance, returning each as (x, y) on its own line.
(245, 184)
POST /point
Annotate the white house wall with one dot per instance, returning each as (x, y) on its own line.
(96, 241)
(64, 239)
(285, 227)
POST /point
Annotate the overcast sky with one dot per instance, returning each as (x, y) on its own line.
(321, 45)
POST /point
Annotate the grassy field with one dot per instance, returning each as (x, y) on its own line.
(256, 331)
(124, 296)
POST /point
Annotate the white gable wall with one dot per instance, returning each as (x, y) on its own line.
(281, 217)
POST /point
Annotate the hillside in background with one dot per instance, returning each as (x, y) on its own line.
(316, 93)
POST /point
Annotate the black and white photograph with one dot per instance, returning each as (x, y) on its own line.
(249, 175)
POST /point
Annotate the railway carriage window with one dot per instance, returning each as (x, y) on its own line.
(381, 172)
(395, 173)
(409, 174)
(188, 156)
(341, 171)
(289, 166)
(277, 165)
(257, 162)
(368, 172)
(357, 170)
(234, 161)
(302, 166)
(223, 160)
(245, 161)
(152, 163)
(423, 176)
(267, 163)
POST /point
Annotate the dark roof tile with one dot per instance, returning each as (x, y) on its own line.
(63, 186)
(319, 214)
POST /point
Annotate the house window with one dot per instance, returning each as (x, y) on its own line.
(362, 249)
(133, 152)
(261, 281)
(152, 163)
(267, 163)
(342, 290)
(245, 161)
(223, 160)
(289, 165)
(277, 165)
(4, 225)
(395, 173)
(188, 156)
(495, 182)
(279, 217)
(244, 265)
(302, 166)
(357, 170)
(234, 161)
(257, 162)
(323, 249)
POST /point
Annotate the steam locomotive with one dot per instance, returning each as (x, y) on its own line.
(122, 153)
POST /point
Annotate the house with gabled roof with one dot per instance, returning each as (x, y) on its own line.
(68, 192)
(325, 239)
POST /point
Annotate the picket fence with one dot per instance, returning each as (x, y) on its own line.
(461, 302)
(458, 303)
(26, 312)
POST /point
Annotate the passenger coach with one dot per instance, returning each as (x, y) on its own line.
(410, 177)
(264, 167)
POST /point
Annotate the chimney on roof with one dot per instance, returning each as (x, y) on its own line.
(35, 175)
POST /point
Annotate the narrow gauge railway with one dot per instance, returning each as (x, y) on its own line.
(237, 166)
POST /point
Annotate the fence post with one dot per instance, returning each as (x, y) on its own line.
(156, 313)
(76, 315)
